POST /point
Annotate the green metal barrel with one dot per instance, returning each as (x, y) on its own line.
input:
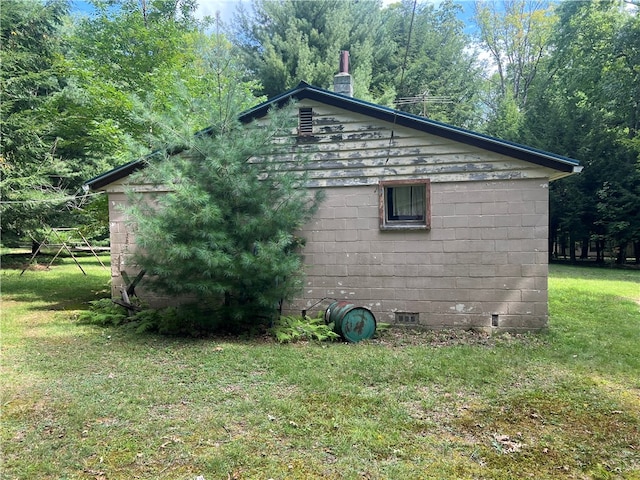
(351, 322)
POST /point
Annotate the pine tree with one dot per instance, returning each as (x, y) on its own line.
(30, 76)
(225, 232)
(285, 42)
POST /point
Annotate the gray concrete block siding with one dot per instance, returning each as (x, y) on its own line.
(485, 255)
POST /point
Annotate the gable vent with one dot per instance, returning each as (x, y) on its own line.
(305, 121)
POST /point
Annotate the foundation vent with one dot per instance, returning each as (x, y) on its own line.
(407, 318)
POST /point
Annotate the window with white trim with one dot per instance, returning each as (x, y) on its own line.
(404, 205)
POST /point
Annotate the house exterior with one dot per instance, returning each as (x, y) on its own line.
(423, 223)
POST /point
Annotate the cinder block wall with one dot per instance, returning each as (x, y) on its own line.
(483, 263)
(120, 239)
(123, 244)
(484, 259)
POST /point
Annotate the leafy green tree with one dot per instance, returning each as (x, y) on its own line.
(506, 120)
(72, 96)
(130, 43)
(134, 57)
(440, 68)
(589, 110)
(518, 36)
(225, 232)
(124, 52)
(599, 44)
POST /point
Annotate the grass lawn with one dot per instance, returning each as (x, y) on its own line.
(83, 402)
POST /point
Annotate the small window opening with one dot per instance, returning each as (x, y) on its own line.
(305, 121)
(494, 320)
(405, 205)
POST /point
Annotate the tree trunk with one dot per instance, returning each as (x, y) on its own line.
(621, 258)
(584, 253)
(572, 248)
(599, 251)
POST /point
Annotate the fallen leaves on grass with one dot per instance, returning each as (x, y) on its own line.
(97, 474)
(505, 444)
(170, 441)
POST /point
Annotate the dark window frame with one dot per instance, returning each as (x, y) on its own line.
(389, 221)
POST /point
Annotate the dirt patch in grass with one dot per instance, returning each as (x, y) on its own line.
(20, 261)
(554, 433)
(402, 337)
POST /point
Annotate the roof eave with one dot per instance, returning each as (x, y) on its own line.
(115, 174)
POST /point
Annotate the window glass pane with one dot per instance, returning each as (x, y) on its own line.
(406, 203)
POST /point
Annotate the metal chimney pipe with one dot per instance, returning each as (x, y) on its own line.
(344, 61)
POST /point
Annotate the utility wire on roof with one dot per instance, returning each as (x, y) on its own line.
(402, 71)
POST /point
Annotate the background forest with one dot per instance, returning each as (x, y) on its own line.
(84, 93)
